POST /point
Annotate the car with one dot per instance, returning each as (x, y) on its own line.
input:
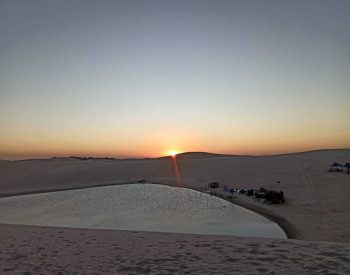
(141, 180)
(271, 196)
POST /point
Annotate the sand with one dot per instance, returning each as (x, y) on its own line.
(316, 212)
(52, 250)
(317, 202)
(143, 207)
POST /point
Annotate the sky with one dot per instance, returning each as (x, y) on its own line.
(143, 78)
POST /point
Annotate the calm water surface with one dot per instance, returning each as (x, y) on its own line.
(147, 207)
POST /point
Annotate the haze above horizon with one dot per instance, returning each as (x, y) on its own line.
(145, 78)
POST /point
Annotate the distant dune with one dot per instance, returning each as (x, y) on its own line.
(201, 155)
(184, 155)
(195, 155)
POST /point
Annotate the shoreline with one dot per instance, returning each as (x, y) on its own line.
(285, 225)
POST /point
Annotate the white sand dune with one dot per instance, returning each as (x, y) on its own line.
(52, 250)
(317, 209)
(142, 207)
(317, 206)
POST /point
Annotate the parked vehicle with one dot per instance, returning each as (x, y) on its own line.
(213, 184)
(271, 196)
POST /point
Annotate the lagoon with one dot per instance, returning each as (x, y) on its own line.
(139, 207)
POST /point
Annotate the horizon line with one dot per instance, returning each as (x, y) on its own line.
(169, 156)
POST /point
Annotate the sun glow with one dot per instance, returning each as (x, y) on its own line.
(172, 153)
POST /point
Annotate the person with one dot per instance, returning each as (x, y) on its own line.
(281, 196)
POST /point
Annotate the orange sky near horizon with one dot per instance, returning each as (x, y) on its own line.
(162, 144)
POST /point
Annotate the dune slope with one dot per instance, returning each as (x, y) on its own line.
(317, 206)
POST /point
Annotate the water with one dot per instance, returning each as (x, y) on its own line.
(144, 207)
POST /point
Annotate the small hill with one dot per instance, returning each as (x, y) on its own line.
(194, 155)
(200, 155)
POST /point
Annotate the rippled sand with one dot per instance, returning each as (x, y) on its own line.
(75, 251)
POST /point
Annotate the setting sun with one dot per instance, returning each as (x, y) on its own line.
(172, 153)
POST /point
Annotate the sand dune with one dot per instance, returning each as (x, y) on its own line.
(317, 206)
(317, 209)
(52, 250)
